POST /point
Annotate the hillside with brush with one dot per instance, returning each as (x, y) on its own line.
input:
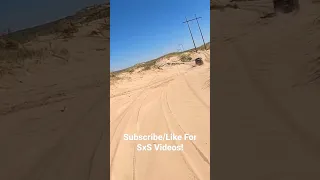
(56, 41)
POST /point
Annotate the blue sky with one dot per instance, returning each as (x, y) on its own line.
(20, 14)
(142, 30)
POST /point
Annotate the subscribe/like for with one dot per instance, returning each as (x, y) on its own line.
(161, 137)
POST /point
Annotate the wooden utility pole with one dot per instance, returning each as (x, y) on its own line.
(200, 31)
(187, 21)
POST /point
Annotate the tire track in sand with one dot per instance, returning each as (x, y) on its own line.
(201, 159)
(122, 115)
(120, 121)
(169, 130)
(206, 159)
(119, 139)
(193, 91)
(134, 159)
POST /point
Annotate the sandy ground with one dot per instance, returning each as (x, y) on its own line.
(265, 93)
(53, 116)
(173, 100)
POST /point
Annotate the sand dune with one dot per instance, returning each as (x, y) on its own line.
(266, 95)
(53, 112)
(172, 100)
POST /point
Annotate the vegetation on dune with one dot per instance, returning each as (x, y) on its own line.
(145, 66)
(13, 55)
(14, 50)
(185, 58)
(201, 48)
(12, 58)
(218, 5)
(65, 26)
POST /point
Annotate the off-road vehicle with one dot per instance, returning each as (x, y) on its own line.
(198, 61)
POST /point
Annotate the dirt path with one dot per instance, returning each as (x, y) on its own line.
(174, 101)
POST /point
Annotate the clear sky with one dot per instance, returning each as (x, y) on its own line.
(20, 14)
(142, 30)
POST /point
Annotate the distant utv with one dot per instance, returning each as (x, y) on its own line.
(198, 61)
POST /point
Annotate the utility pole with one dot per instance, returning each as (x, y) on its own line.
(181, 47)
(201, 32)
(187, 21)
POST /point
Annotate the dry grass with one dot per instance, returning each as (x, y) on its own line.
(202, 47)
(185, 58)
(66, 30)
(218, 5)
(60, 26)
(113, 78)
(101, 30)
(147, 65)
(14, 55)
(15, 58)
(143, 66)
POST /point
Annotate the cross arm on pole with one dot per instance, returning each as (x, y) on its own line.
(192, 19)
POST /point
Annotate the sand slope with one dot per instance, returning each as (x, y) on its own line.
(172, 100)
(53, 115)
(266, 97)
